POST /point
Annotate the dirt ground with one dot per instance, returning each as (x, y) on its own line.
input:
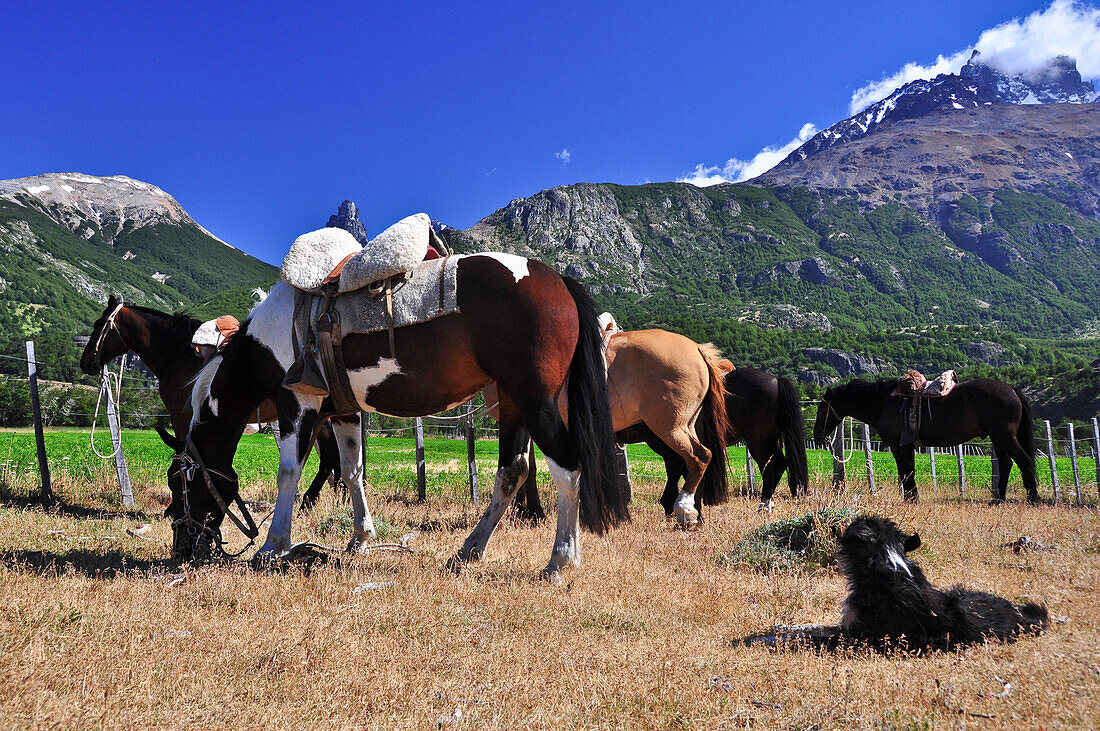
(99, 630)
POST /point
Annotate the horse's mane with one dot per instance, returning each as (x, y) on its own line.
(177, 321)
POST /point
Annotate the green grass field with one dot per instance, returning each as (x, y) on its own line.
(391, 469)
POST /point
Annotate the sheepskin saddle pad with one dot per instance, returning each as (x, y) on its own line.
(314, 256)
(216, 332)
(427, 292)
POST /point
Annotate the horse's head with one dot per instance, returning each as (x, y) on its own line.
(195, 512)
(828, 419)
(201, 476)
(105, 343)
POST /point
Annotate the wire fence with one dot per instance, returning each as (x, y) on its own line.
(454, 453)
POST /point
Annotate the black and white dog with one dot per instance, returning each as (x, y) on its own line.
(891, 604)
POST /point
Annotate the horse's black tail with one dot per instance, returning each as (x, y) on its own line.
(1025, 434)
(603, 501)
(792, 430)
(711, 427)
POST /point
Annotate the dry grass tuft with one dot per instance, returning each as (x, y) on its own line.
(97, 629)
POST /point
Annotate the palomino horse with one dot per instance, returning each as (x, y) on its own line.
(670, 386)
(763, 411)
(977, 408)
(519, 323)
(163, 342)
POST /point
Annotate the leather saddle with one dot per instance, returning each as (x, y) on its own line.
(325, 264)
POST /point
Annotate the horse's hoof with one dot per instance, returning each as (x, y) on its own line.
(1034, 499)
(455, 565)
(997, 501)
(765, 507)
(552, 577)
(264, 561)
(687, 519)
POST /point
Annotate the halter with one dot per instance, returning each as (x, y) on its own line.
(110, 324)
(190, 462)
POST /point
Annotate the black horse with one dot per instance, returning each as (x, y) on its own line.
(763, 410)
(977, 408)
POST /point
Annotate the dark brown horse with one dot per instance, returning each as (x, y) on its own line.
(163, 342)
(977, 408)
(519, 323)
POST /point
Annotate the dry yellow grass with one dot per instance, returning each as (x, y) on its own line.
(95, 633)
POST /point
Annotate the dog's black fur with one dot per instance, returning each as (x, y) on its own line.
(890, 600)
(891, 604)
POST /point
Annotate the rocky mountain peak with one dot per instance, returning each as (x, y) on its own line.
(347, 218)
(977, 84)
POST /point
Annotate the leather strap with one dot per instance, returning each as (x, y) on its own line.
(329, 340)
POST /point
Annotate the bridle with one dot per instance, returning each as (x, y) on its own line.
(111, 323)
(190, 462)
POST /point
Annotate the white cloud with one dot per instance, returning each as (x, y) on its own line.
(1014, 47)
(565, 155)
(736, 170)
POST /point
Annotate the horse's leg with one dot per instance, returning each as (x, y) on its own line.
(348, 437)
(903, 457)
(696, 458)
(674, 470)
(1027, 469)
(1004, 464)
(512, 468)
(328, 457)
(769, 457)
(294, 446)
(528, 503)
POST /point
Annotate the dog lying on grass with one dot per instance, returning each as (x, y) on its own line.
(891, 604)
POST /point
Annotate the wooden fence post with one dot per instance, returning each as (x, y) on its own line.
(471, 462)
(116, 440)
(48, 496)
(1096, 453)
(932, 460)
(1073, 461)
(962, 470)
(421, 476)
(995, 471)
(1053, 464)
(749, 471)
(867, 455)
(838, 456)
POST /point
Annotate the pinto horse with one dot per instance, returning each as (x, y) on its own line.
(519, 323)
(163, 342)
(672, 387)
(977, 408)
(764, 412)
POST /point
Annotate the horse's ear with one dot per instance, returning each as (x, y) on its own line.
(112, 302)
(174, 443)
(912, 543)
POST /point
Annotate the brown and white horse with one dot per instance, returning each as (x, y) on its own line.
(671, 387)
(519, 323)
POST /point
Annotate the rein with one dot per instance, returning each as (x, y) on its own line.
(190, 462)
(106, 381)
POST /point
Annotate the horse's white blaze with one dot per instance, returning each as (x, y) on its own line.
(364, 379)
(515, 264)
(567, 541)
(271, 321)
(897, 561)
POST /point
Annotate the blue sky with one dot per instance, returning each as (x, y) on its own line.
(261, 117)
